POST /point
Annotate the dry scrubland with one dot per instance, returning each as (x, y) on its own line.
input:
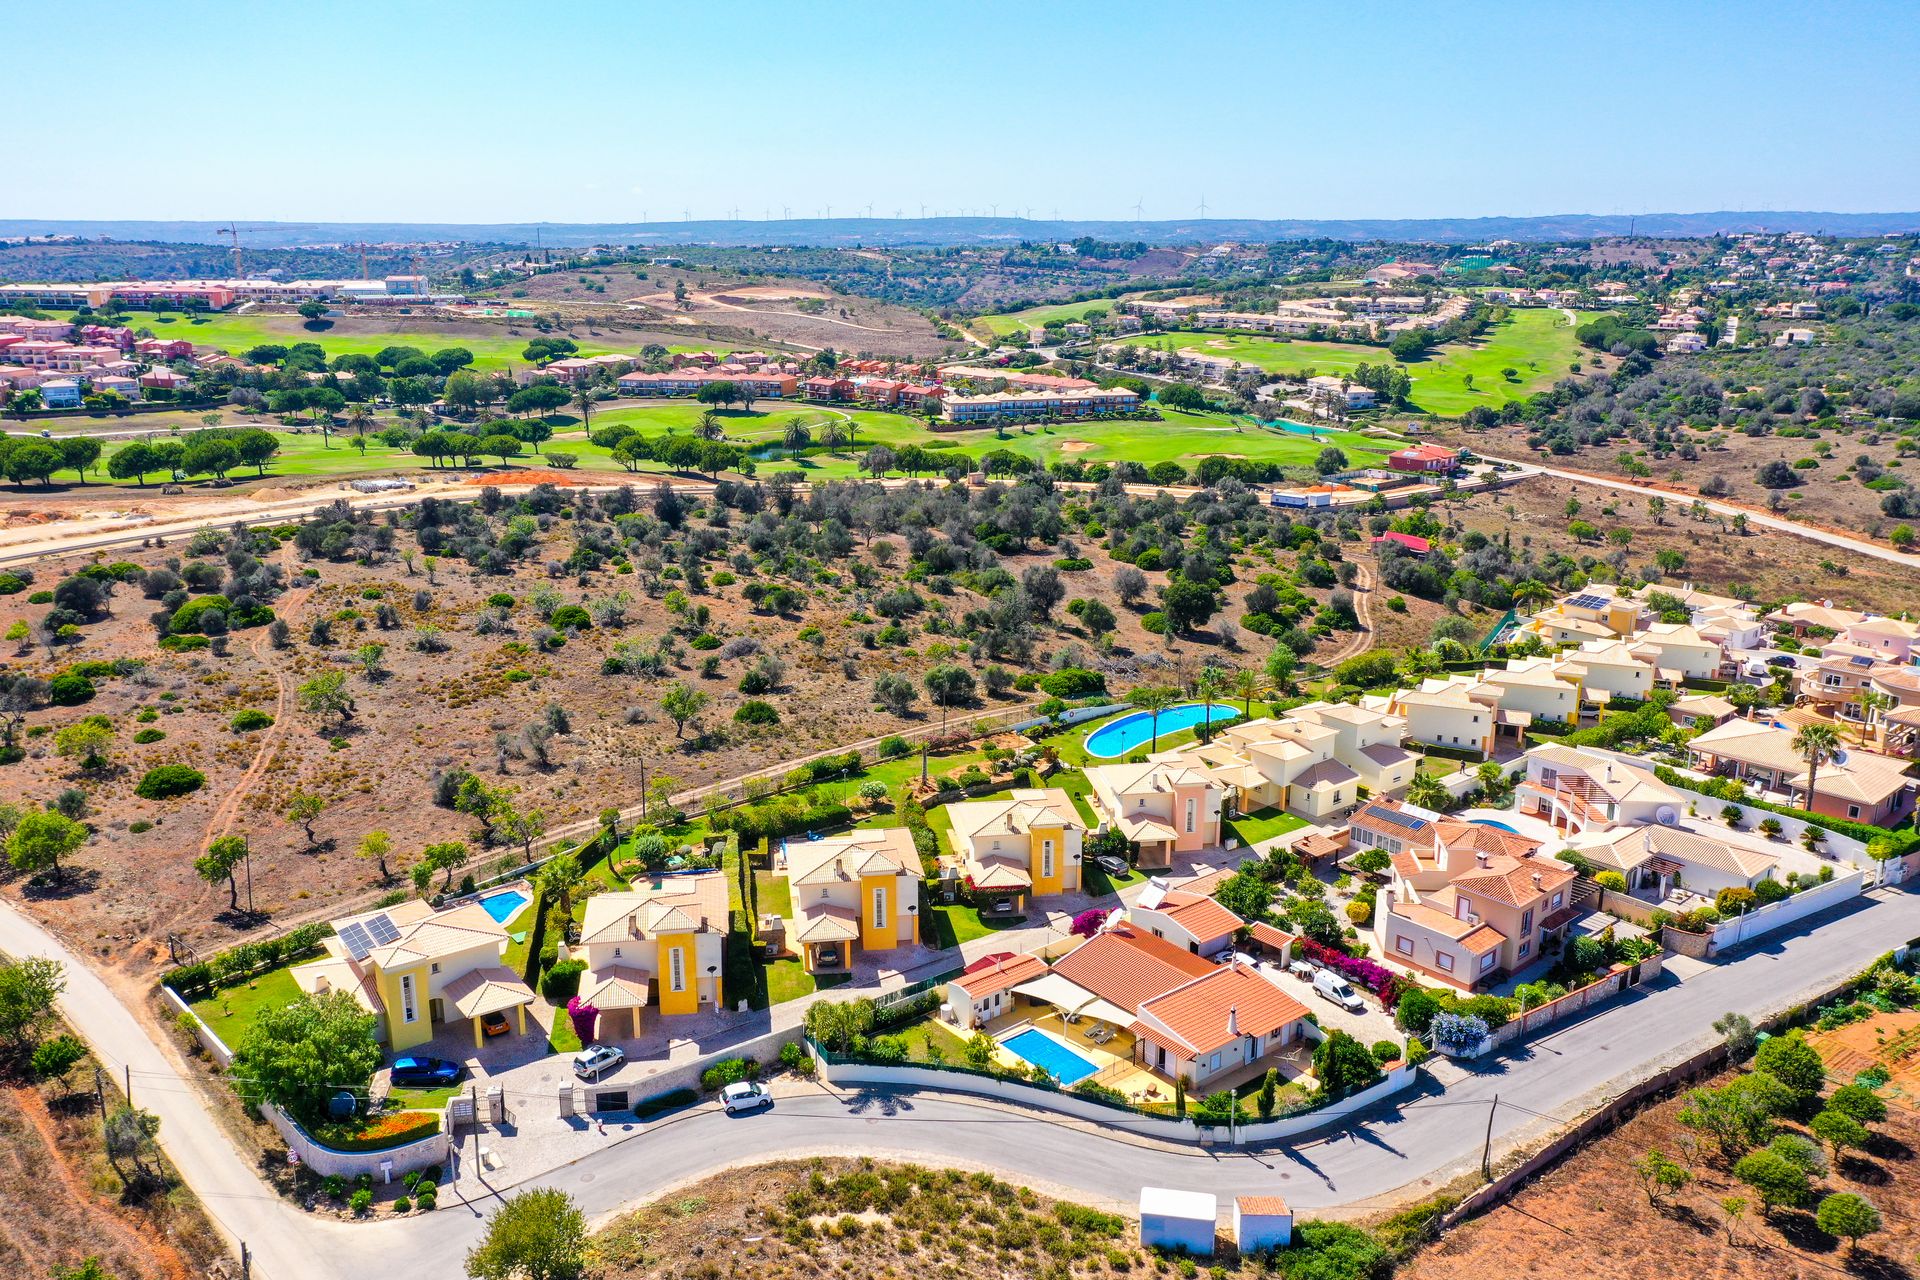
(467, 698)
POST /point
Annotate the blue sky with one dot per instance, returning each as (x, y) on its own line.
(593, 111)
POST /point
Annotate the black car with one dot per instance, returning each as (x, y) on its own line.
(423, 1073)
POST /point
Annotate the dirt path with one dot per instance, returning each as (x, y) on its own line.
(107, 1224)
(1362, 639)
(222, 820)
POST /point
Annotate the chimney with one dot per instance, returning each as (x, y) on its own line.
(1233, 1021)
(1536, 879)
(839, 866)
(633, 924)
(1484, 858)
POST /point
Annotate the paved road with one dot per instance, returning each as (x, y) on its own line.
(1423, 1139)
(1758, 518)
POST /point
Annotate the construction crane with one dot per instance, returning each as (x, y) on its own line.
(362, 247)
(232, 232)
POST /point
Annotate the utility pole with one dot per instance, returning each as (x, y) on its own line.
(127, 1070)
(249, 843)
(1486, 1152)
(246, 1262)
(100, 1093)
(643, 788)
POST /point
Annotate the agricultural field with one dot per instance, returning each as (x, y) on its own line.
(1538, 344)
(397, 650)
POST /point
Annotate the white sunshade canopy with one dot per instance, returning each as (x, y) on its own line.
(1073, 999)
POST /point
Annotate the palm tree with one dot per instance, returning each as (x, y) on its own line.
(358, 417)
(1153, 699)
(797, 437)
(1530, 592)
(1872, 702)
(1425, 790)
(709, 428)
(1249, 684)
(583, 398)
(1817, 744)
(1207, 687)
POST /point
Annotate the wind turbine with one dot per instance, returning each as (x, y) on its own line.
(829, 211)
(686, 214)
(899, 213)
(869, 208)
(996, 210)
(733, 215)
(923, 208)
(786, 212)
(1203, 205)
(1137, 207)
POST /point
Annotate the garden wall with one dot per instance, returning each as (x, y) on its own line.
(763, 1049)
(209, 1041)
(1777, 915)
(1069, 1104)
(327, 1162)
(1540, 1017)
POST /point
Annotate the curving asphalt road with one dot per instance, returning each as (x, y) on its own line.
(1423, 1138)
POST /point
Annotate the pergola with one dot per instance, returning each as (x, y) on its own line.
(485, 991)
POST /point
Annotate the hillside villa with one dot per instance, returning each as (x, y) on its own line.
(416, 969)
(1165, 806)
(1858, 785)
(1024, 844)
(861, 889)
(659, 943)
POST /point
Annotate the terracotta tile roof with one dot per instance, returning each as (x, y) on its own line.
(1269, 936)
(1262, 1206)
(1199, 915)
(1218, 1007)
(1125, 965)
(1002, 975)
(1514, 881)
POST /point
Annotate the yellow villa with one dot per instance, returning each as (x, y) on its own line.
(861, 888)
(1023, 844)
(416, 969)
(660, 942)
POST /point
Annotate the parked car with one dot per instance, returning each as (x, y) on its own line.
(423, 1073)
(745, 1096)
(1302, 969)
(1337, 989)
(495, 1024)
(1003, 906)
(595, 1061)
(1111, 865)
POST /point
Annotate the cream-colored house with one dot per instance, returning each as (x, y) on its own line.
(1537, 687)
(1677, 652)
(1314, 762)
(416, 969)
(1598, 612)
(1024, 844)
(1164, 806)
(859, 889)
(1574, 789)
(660, 942)
(1607, 669)
(1447, 713)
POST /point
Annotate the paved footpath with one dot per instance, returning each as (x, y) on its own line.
(1421, 1139)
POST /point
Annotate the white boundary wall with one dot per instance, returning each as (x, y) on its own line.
(1066, 1103)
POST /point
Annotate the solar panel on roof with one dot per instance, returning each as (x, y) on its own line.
(1411, 822)
(1861, 660)
(382, 930)
(1589, 602)
(354, 938)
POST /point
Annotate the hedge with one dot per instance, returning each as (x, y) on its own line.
(247, 958)
(1901, 841)
(659, 1104)
(777, 818)
(1369, 974)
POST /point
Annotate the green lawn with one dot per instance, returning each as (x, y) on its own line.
(1538, 343)
(789, 980)
(427, 1099)
(231, 1011)
(926, 1032)
(1014, 322)
(1263, 825)
(949, 926)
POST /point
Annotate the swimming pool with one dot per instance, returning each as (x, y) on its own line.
(506, 904)
(1042, 1050)
(1118, 737)
(1489, 822)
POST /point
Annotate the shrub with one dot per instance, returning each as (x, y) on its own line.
(1611, 880)
(403, 1205)
(69, 689)
(892, 747)
(360, 1202)
(1416, 1010)
(1384, 1051)
(1073, 682)
(562, 982)
(249, 720)
(165, 782)
(754, 711)
(1154, 623)
(1457, 1033)
(149, 735)
(727, 1071)
(570, 617)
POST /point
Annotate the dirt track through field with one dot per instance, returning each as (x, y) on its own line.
(1363, 580)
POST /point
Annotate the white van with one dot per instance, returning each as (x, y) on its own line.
(1339, 990)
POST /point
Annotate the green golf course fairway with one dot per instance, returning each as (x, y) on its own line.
(1179, 437)
(1538, 344)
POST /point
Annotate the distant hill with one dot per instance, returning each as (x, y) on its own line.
(982, 231)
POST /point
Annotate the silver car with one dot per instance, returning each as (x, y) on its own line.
(594, 1062)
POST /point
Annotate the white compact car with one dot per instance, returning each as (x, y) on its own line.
(745, 1096)
(594, 1062)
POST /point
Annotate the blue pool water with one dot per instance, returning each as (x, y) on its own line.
(1489, 822)
(1042, 1050)
(1129, 733)
(505, 906)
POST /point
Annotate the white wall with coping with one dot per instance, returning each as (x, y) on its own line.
(1067, 1103)
(327, 1162)
(1777, 915)
(209, 1041)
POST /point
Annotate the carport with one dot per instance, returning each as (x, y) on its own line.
(618, 987)
(486, 991)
